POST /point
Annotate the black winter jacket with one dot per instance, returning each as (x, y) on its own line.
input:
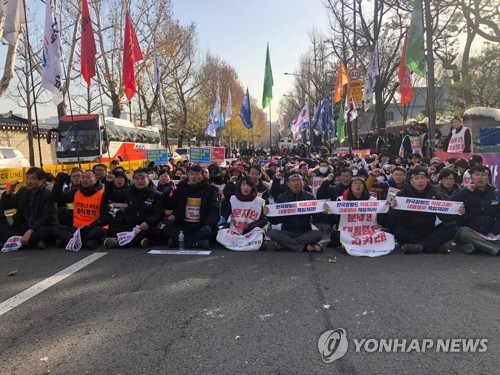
(294, 223)
(482, 209)
(44, 211)
(143, 205)
(421, 223)
(210, 205)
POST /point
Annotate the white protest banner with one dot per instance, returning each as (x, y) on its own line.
(180, 252)
(361, 235)
(296, 208)
(75, 243)
(428, 205)
(235, 241)
(316, 183)
(12, 244)
(364, 240)
(125, 237)
(357, 207)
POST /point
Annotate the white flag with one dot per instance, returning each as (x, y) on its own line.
(302, 120)
(156, 71)
(217, 108)
(14, 16)
(350, 111)
(52, 59)
(354, 110)
(371, 73)
(229, 107)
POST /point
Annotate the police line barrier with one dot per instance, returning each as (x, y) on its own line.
(7, 175)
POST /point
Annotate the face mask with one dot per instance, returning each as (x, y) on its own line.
(151, 176)
(380, 179)
(323, 169)
(354, 172)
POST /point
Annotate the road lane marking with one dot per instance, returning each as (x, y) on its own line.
(47, 283)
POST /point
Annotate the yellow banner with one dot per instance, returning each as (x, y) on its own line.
(355, 88)
(7, 175)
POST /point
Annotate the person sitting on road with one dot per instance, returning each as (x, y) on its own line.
(246, 216)
(90, 213)
(328, 189)
(297, 233)
(65, 211)
(416, 231)
(447, 183)
(482, 214)
(144, 209)
(36, 213)
(196, 211)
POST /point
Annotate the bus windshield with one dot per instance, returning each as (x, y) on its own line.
(79, 136)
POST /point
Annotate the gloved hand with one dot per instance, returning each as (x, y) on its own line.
(206, 230)
(63, 178)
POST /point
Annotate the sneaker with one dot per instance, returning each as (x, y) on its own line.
(111, 243)
(145, 242)
(92, 245)
(467, 248)
(411, 248)
(42, 244)
(447, 247)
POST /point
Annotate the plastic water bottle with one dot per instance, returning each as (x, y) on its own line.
(181, 240)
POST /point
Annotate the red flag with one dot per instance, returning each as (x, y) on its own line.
(404, 76)
(131, 54)
(342, 79)
(87, 56)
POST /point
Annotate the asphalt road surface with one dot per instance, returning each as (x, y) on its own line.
(129, 312)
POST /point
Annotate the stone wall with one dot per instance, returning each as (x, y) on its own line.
(17, 137)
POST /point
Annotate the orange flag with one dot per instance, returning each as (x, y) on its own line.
(342, 79)
(131, 54)
(89, 50)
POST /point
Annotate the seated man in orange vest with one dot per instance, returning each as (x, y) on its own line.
(90, 210)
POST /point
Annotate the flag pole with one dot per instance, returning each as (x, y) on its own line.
(33, 91)
(270, 132)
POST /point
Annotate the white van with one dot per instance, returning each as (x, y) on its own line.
(12, 158)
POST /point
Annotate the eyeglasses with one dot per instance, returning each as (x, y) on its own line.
(140, 176)
(99, 170)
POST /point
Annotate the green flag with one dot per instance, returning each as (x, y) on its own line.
(341, 124)
(415, 53)
(268, 82)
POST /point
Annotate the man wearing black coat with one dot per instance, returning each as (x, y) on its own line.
(482, 213)
(36, 213)
(144, 209)
(196, 209)
(417, 231)
(296, 232)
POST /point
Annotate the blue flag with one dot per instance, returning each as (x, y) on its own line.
(319, 117)
(221, 123)
(331, 123)
(210, 127)
(246, 112)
